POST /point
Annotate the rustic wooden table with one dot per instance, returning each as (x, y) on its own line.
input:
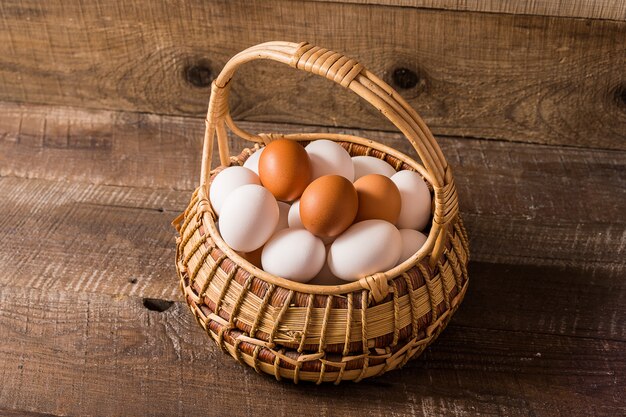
(101, 119)
(92, 321)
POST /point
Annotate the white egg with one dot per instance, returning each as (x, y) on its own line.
(295, 254)
(283, 216)
(365, 165)
(249, 217)
(294, 216)
(412, 241)
(365, 248)
(228, 181)
(329, 158)
(416, 200)
(252, 163)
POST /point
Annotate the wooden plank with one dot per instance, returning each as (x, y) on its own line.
(67, 353)
(524, 204)
(565, 300)
(591, 9)
(514, 77)
(78, 237)
(118, 241)
(100, 147)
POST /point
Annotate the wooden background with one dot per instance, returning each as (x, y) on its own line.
(101, 119)
(533, 78)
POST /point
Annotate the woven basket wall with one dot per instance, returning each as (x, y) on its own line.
(323, 333)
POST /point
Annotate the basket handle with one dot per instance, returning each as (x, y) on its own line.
(349, 74)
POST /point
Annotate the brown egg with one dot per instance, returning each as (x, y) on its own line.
(379, 198)
(328, 205)
(285, 169)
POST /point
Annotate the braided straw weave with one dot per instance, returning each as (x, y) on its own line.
(323, 333)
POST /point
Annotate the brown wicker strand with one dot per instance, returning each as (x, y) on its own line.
(396, 315)
(296, 373)
(255, 359)
(462, 231)
(431, 292)
(199, 265)
(320, 379)
(280, 316)
(220, 299)
(261, 311)
(446, 295)
(453, 258)
(194, 249)
(185, 238)
(346, 345)
(237, 350)
(239, 301)
(329, 306)
(220, 339)
(342, 369)
(307, 321)
(364, 302)
(413, 301)
(210, 275)
(277, 365)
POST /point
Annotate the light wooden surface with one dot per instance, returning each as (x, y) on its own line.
(87, 246)
(594, 9)
(537, 79)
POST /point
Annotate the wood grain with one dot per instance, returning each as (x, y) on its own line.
(87, 257)
(102, 355)
(118, 241)
(103, 212)
(524, 204)
(515, 77)
(594, 9)
(78, 237)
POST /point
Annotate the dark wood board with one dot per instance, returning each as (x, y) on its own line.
(523, 203)
(92, 323)
(594, 9)
(554, 80)
(70, 353)
(118, 241)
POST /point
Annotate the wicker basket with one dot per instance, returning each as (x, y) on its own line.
(323, 333)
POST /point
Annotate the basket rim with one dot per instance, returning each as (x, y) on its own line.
(360, 284)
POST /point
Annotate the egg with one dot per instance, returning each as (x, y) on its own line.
(416, 200)
(379, 198)
(366, 248)
(364, 165)
(295, 254)
(283, 216)
(328, 206)
(249, 217)
(294, 216)
(412, 241)
(226, 182)
(329, 158)
(252, 163)
(285, 169)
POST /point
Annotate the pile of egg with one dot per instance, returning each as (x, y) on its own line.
(314, 214)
